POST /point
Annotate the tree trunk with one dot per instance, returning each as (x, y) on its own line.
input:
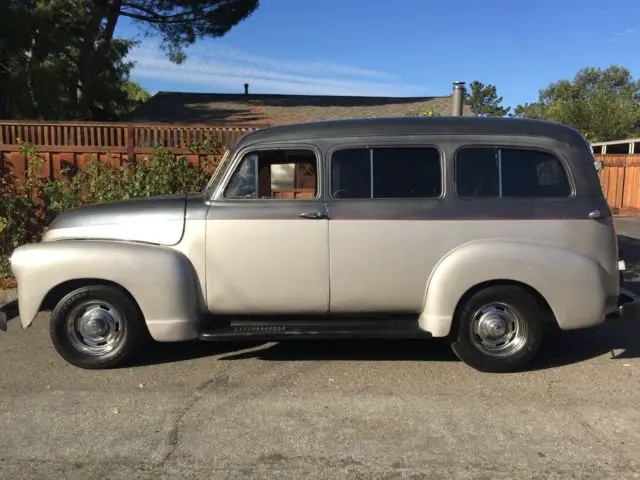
(97, 43)
(29, 73)
(80, 83)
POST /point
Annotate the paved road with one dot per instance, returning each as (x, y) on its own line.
(323, 410)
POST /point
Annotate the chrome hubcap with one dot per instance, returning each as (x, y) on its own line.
(95, 327)
(498, 330)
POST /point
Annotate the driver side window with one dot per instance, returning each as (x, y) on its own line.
(275, 174)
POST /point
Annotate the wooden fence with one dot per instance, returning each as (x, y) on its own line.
(74, 144)
(620, 180)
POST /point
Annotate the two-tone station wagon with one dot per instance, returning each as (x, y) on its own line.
(481, 231)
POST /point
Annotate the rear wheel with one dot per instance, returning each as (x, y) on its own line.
(499, 329)
(96, 327)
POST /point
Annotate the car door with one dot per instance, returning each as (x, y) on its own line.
(383, 204)
(267, 235)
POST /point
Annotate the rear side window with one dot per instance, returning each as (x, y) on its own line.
(477, 172)
(509, 172)
(386, 172)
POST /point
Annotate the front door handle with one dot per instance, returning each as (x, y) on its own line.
(314, 215)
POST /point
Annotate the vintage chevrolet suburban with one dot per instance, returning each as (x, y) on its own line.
(481, 231)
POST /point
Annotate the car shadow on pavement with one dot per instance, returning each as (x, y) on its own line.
(10, 309)
(351, 350)
(616, 338)
(299, 350)
(156, 353)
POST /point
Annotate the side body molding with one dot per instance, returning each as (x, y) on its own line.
(161, 280)
(561, 276)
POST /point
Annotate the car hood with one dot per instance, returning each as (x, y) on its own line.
(158, 220)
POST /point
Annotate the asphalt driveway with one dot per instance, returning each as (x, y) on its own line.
(370, 409)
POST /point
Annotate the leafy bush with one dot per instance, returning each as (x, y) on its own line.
(27, 205)
(428, 113)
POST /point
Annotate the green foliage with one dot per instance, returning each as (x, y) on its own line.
(534, 111)
(28, 205)
(40, 61)
(603, 104)
(208, 145)
(484, 100)
(428, 113)
(20, 208)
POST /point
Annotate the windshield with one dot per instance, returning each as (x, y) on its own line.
(217, 175)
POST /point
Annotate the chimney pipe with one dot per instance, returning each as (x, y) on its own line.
(246, 89)
(458, 98)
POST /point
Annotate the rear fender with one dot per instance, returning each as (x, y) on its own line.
(161, 280)
(573, 285)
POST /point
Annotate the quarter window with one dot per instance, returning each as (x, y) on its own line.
(386, 172)
(509, 172)
(275, 174)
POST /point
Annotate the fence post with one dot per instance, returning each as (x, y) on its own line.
(624, 180)
(129, 142)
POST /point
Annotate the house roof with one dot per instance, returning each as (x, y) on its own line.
(177, 107)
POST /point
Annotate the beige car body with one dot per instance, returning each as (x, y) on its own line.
(183, 258)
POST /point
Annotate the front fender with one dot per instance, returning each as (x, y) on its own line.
(161, 280)
(574, 286)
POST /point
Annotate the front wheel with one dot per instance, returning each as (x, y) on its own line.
(499, 329)
(96, 327)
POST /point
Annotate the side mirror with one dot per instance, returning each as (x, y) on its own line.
(599, 165)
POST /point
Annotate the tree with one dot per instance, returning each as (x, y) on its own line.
(483, 100)
(603, 104)
(534, 111)
(59, 58)
(179, 23)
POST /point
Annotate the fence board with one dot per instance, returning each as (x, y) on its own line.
(620, 179)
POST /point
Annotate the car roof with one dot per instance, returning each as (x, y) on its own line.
(457, 125)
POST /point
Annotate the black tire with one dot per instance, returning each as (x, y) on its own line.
(523, 311)
(108, 302)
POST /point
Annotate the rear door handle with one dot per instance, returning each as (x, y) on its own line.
(313, 215)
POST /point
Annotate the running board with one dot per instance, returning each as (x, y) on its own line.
(265, 330)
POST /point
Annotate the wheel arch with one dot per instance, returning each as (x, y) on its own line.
(161, 281)
(569, 285)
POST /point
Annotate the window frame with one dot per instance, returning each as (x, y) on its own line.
(221, 194)
(504, 146)
(371, 147)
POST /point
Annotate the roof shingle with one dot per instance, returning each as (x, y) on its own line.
(220, 108)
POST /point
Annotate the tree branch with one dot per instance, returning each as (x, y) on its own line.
(151, 16)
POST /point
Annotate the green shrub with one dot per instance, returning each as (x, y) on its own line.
(27, 205)
(428, 113)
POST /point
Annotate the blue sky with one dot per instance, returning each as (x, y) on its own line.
(401, 48)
